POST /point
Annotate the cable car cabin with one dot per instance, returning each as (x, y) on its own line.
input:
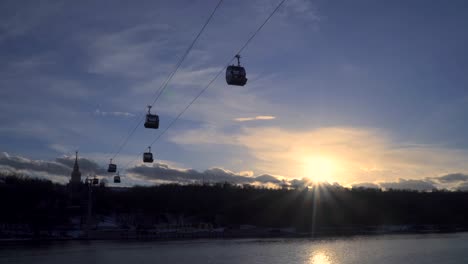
(152, 121)
(148, 157)
(116, 179)
(95, 181)
(235, 75)
(112, 168)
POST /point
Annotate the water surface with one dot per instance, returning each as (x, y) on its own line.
(411, 249)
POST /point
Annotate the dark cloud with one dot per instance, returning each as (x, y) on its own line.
(462, 186)
(86, 165)
(453, 177)
(265, 178)
(369, 185)
(59, 170)
(24, 164)
(60, 167)
(299, 183)
(163, 172)
(402, 184)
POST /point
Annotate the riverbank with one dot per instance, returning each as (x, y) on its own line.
(261, 233)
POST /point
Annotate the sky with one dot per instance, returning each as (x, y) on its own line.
(359, 93)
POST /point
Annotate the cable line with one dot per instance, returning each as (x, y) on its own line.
(211, 82)
(162, 88)
(171, 75)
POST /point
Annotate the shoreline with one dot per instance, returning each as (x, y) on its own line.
(181, 237)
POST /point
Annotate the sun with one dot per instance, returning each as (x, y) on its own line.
(319, 168)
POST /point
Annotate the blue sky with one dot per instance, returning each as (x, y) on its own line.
(345, 91)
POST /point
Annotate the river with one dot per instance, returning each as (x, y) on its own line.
(391, 249)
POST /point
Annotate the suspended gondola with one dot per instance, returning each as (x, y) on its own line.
(112, 167)
(117, 178)
(151, 121)
(148, 156)
(236, 75)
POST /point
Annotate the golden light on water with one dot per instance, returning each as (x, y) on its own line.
(320, 258)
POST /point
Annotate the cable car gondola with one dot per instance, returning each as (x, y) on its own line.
(236, 75)
(112, 167)
(151, 121)
(95, 181)
(117, 178)
(148, 156)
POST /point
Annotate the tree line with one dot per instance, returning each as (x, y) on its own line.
(43, 203)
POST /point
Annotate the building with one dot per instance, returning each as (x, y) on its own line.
(76, 174)
(75, 185)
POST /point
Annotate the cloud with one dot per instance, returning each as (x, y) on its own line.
(161, 172)
(58, 170)
(402, 184)
(24, 164)
(265, 117)
(462, 186)
(199, 77)
(334, 154)
(207, 134)
(453, 181)
(86, 165)
(368, 185)
(31, 64)
(300, 183)
(293, 9)
(130, 52)
(60, 148)
(98, 112)
(265, 178)
(303, 9)
(453, 177)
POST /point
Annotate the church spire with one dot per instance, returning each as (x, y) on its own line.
(75, 167)
(76, 174)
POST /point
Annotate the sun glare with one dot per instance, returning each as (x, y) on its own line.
(319, 168)
(320, 258)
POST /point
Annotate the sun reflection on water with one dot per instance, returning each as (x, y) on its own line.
(320, 258)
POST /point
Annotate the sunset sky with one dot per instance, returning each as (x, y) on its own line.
(369, 92)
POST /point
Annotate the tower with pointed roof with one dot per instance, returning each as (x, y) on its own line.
(76, 174)
(75, 187)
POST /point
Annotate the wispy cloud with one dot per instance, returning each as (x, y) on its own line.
(194, 76)
(261, 117)
(131, 52)
(293, 10)
(302, 9)
(60, 148)
(98, 112)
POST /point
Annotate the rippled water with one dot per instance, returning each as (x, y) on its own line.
(440, 248)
